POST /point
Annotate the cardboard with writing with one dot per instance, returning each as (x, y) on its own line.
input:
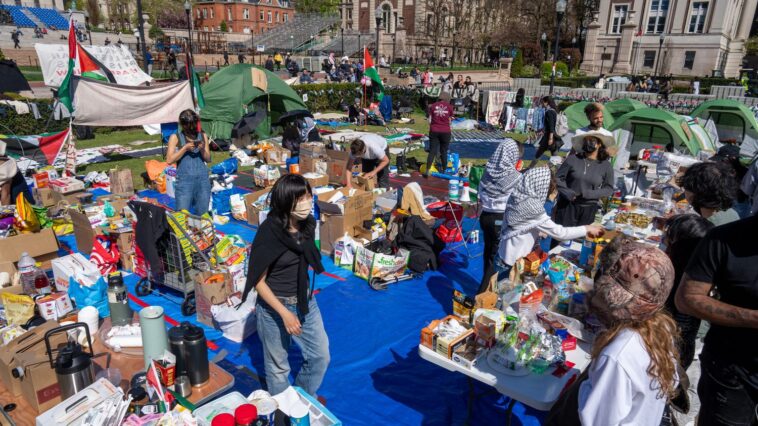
(276, 155)
(74, 265)
(39, 384)
(45, 197)
(338, 166)
(208, 294)
(121, 182)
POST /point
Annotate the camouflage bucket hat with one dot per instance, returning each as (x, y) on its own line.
(633, 282)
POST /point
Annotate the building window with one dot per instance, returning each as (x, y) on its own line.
(245, 14)
(205, 29)
(619, 18)
(199, 14)
(262, 17)
(205, 13)
(656, 21)
(689, 59)
(349, 14)
(387, 18)
(276, 16)
(229, 14)
(286, 17)
(649, 60)
(269, 17)
(697, 16)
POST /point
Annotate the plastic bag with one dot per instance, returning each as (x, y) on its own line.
(105, 254)
(44, 220)
(19, 308)
(344, 252)
(237, 323)
(226, 167)
(26, 219)
(95, 295)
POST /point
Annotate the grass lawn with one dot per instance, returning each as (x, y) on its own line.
(127, 136)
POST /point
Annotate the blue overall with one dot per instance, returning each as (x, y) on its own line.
(193, 187)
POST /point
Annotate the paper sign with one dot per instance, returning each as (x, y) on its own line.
(53, 59)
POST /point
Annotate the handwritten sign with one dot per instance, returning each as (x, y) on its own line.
(53, 59)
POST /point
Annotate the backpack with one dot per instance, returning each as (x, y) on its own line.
(561, 125)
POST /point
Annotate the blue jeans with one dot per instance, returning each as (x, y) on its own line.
(313, 343)
(193, 193)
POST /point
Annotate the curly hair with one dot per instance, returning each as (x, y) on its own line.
(713, 185)
(592, 108)
(660, 336)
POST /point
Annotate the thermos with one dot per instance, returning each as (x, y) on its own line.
(176, 346)
(154, 338)
(196, 349)
(73, 366)
(118, 302)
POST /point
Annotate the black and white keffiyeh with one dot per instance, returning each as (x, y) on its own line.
(500, 174)
(526, 207)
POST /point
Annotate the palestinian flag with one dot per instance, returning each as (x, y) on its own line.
(42, 149)
(88, 67)
(370, 71)
(195, 82)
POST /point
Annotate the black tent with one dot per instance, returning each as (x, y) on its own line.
(11, 79)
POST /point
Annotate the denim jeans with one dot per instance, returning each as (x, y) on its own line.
(193, 193)
(313, 343)
(728, 392)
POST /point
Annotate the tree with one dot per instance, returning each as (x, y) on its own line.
(93, 9)
(156, 32)
(751, 46)
(317, 6)
(223, 27)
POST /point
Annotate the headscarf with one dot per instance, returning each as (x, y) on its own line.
(500, 174)
(526, 207)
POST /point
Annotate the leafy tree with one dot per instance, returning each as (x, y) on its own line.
(223, 27)
(155, 32)
(518, 64)
(751, 46)
(317, 6)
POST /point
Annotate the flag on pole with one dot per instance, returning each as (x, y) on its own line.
(370, 71)
(88, 66)
(195, 82)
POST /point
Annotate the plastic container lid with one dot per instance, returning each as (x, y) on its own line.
(245, 414)
(223, 419)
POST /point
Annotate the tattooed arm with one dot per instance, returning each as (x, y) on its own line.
(692, 299)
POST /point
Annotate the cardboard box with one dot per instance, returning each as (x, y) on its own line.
(361, 203)
(42, 246)
(39, 384)
(312, 149)
(276, 155)
(364, 183)
(253, 211)
(316, 179)
(265, 176)
(75, 198)
(446, 347)
(73, 410)
(124, 240)
(208, 294)
(66, 185)
(83, 231)
(8, 267)
(77, 266)
(121, 182)
(318, 165)
(44, 197)
(54, 306)
(127, 261)
(338, 166)
(32, 341)
(428, 338)
(467, 353)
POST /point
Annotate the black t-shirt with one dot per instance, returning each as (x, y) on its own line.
(728, 258)
(283, 273)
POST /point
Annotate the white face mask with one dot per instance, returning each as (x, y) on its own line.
(302, 209)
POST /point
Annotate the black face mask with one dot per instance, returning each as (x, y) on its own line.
(589, 146)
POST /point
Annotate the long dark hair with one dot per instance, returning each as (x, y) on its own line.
(519, 102)
(188, 120)
(549, 101)
(284, 196)
(602, 153)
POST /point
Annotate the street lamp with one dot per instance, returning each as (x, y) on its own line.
(86, 23)
(560, 9)
(292, 43)
(187, 11)
(661, 39)
(569, 64)
(378, 17)
(544, 44)
(602, 60)
(342, 37)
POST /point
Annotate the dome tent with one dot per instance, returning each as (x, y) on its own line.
(230, 94)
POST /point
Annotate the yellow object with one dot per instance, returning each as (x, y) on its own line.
(423, 169)
(26, 220)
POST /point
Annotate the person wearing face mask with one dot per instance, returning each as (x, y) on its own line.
(188, 148)
(525, 219)
(583, 179)
(282, 252)
(633, 372)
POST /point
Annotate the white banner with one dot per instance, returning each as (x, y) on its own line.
(53, 59)
(102, 104)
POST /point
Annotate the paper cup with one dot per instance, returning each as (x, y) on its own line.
(299, 416)
(267, 409)
(91, 317)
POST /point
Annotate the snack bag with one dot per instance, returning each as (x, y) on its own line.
(26, 219)
(19, 308)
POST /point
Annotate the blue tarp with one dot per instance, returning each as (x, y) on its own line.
(376, 375)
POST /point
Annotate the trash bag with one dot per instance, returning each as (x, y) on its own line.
(237, 323)
(95, 295)
(226, 167)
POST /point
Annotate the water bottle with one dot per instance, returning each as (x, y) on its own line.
(28, 270)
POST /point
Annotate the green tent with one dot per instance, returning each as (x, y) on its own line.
(577, 119)
(732, 118)
(619, 107)
(652, 126)
(230, 94)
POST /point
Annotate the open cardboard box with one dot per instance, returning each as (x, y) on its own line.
(209, 294)
(85, 233)
(253, 212)
(33, 341)
(42, 246)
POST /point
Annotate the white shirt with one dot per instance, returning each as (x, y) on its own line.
(618, 390)
(512, 249)
(375, 147)
(601, 130)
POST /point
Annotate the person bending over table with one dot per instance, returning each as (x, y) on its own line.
(583, 179)
(499, 179)
(283, 250)
(634, 360)
(188, 148)
(525, 219)
(375, 159)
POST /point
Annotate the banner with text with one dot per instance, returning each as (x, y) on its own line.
(53, 59)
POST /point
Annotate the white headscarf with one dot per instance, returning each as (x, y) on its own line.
(500, 174)
(526, 207)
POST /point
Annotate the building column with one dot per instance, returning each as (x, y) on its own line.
(591, 59)
(623, 61)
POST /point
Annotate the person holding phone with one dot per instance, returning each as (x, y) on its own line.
(188, 148)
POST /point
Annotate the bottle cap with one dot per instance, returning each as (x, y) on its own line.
(245, 414)
(223, 419)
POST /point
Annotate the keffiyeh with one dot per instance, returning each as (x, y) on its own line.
(526, 208)
(500, 174)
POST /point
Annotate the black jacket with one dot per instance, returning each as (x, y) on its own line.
(416, 237)
(151, 231)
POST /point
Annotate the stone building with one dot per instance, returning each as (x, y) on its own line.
(680, 37)
(242, 16)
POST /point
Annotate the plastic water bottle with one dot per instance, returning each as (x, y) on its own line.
(27, 268)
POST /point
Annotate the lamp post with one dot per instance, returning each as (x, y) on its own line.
(394, 38)
(378, 18)
(455, 47)
(292, 44)
(569, 61)
(86, 24)
(544, 44)
(661, 39)
(187, 11)
(252, 43)
(141, 27)
(560, 9)
(342, 38)
(602, 60)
